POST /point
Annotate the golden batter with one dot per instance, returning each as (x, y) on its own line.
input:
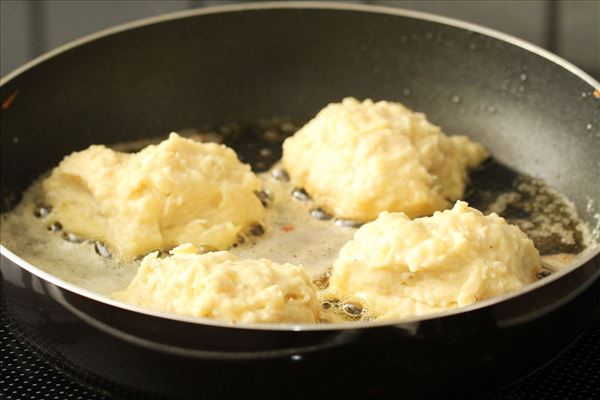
(358, 159)
(219, 285)
(398, 267)
(175, 192)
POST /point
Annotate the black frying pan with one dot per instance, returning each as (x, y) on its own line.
(246, 62)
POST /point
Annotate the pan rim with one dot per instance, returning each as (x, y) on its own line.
(401, 322)
(405, 323)
(324, 5)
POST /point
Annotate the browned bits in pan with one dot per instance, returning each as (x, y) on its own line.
(9, 100)
(257, 230)
(287, 228)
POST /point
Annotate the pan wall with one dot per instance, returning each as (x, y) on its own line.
(534, 115)
(30, 28)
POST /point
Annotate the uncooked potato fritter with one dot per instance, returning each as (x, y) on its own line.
(168, 194)
(360, 158)
(400, 267)
(219, 285)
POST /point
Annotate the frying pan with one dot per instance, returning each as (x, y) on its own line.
(535, 112)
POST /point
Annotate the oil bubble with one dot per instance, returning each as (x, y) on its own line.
(352, 309)
(55, 227)
(42, 211)
(71, 237)
(280, 175)
(320, 214)
(102, 250)
(300, 194)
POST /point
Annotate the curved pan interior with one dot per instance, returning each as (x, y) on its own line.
(245, 62)
(250, 62)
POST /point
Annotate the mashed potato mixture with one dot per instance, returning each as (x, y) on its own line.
(398, 267)
(167, 194)
(296, 250)
(219, 285)
(360, 158)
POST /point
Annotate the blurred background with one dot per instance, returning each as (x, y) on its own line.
(570, 29)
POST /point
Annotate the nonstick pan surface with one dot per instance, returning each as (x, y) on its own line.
(243, 63)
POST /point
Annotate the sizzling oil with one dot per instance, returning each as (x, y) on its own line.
(297, 230)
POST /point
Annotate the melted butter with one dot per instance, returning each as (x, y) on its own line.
(292, 234)
(78, 263)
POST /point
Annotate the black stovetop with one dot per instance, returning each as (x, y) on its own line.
(575, 374)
